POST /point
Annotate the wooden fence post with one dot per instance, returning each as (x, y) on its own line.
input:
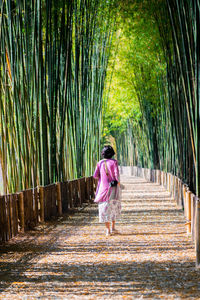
(145, 173)
(197, 233)
(14, 213)
(179, 201)
(151, 175)
(158, 176)
(148, 175)
(188, 211)
(134, 171)
(169, 182)
(142, 173)
(171, 185)
(193, 215)
(176, 189)
(163, 180)
(184, 198)
(79, 192)
(21, 211)
(9, 233)
(59, 198)
(41, 195)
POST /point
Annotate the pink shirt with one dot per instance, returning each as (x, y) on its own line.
(103, 189)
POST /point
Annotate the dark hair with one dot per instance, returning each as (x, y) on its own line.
(107, 152)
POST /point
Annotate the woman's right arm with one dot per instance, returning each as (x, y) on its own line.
(97, 172)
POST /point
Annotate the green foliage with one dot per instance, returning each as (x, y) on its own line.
(136, 65)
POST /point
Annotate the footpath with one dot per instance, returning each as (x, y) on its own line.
(71, 258)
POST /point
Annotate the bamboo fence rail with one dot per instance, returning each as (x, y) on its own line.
(184, 198)
(24, 210)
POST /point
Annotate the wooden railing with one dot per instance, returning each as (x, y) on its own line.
(184, 198)
(24, 210)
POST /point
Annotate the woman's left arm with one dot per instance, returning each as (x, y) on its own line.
(117, 175)
(116, 171)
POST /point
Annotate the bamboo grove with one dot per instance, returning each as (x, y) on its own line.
(164, 132)
(53, 62)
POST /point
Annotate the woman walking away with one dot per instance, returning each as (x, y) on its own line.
(108, 189)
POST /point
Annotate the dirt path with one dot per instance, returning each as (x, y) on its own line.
(151, 258)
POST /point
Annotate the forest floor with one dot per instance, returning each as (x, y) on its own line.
(71, 258)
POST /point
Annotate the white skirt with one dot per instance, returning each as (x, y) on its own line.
(110, 210)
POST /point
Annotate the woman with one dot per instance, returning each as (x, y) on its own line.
(108, 196)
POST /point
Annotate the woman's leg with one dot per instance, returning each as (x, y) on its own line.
(107, 227)
(113, 225)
